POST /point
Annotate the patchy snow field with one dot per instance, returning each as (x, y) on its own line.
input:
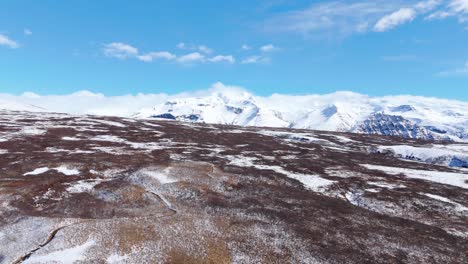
(449, 178)
(88, 189)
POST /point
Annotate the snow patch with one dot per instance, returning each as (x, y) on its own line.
(71, 138)
(66, 256)
(458, 207)
(67, 171)
(37, 171)
(386, 185)
(448, 178)
(32, 131)
(83, 186)
(161, 176)
(343, 139)
(108, 138)
(311, 182)
(110, 123)
(290, 136)
(116, 259)
(62, 169)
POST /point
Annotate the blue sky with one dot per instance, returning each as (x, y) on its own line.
(277, 46)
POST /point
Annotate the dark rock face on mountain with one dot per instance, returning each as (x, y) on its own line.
(390, 125)
(91, 189)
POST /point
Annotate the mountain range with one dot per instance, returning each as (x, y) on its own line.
(404, 116)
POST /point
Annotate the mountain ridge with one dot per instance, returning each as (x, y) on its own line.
(404, 115)
(397, 116)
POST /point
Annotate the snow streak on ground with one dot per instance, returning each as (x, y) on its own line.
(161, 176)
(62, 169)
(458, 207)
(83, 186)
(37, 171)
(66, 256)
(450, 178)
(312, 182)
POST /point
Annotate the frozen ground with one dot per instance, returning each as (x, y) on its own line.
(89, 189)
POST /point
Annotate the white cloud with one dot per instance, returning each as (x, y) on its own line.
(27, 32)
(84, 102)
(205, 49)
(395, 19)
(149, 57)
(120, 50)
(439, 15)
(268, 48)
(87, 102)
(181, 45)
(335, 18)
(455, 8)
(6, 41)
(222, 58)
(426, 6)
(254, 60)
(340, 18)
(191, 58)
(459, 6)
(200, 48)
(245, 47)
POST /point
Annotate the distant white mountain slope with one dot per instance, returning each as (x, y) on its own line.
(405, 116)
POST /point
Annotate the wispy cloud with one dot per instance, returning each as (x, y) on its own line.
(149, 57)
(455, 8)
(120, 50)
(200, 48)
(255, 60)
(427, 6)
(342, 18)
(338, 17)
(191, 58)
(245, 47)
(268, 48)
(395, 19)
(204, 49)
(223, 58)
(455, 72)
(181, 45)
(459, 6)
(6, 41)
(27, 32)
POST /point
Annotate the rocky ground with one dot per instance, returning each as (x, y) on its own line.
(88, 189)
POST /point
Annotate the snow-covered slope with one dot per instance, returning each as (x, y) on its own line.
(405, 116)
(218, 108)
(452, 155)
(16, 106)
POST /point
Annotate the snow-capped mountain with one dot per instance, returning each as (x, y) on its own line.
(405, 116)
(219, 109)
